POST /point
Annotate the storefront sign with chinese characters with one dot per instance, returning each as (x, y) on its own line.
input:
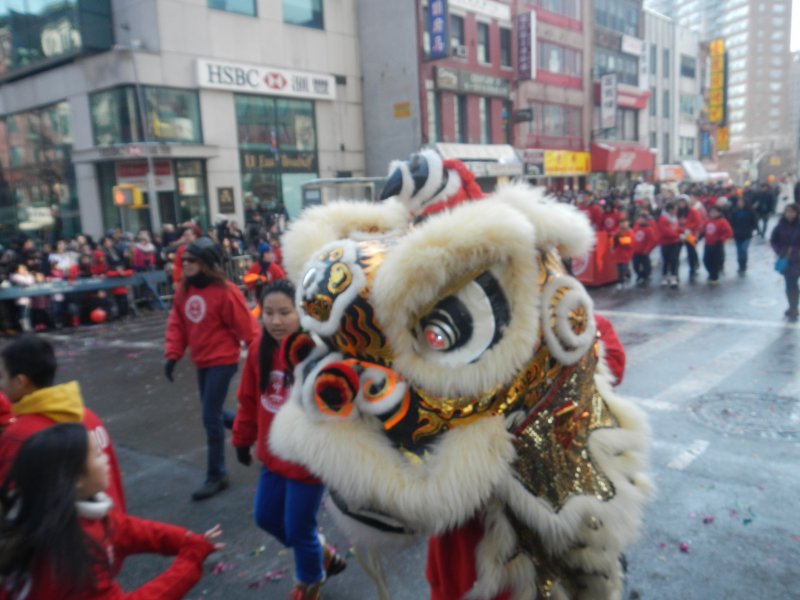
(265, 80)
(526, 45)
(608, 101)
(716, 90)
(466, 82)
(563, 162)
(437, 29)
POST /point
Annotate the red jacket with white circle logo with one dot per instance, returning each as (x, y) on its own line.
(212, 322)
(717, 231)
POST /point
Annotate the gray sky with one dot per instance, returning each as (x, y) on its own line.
(795, 25)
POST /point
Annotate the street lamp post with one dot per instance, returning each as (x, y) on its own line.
(155, 219)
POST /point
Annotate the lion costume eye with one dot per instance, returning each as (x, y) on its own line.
(462, 326)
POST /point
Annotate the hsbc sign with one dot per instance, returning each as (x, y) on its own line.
(234, 77)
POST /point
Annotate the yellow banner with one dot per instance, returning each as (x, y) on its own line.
(716, 92)
(563, 162)
(722, 139)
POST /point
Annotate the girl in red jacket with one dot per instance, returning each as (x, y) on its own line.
(210, 317)
(670, 240)
(59, 539)
(288, 496)
(623, 252)
(691, 224)
(716, 231)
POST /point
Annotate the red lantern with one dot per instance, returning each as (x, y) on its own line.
(98, 315)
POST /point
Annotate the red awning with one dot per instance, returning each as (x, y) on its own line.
(622, 156)
(628, 96)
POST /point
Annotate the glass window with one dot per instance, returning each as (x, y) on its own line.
(115, 119)
(559, 59)
(653, 59)
(483, 43)
(665, 66)
(173, 115)
(665, 104)
(667, 156)
(456, 31)
(461, 120)
(39, 194)
(307, 13)
(485, 115)
(243, 7)
(505, 47)
(277, 152)
(434, 119)
(688, 66)
(652, 102)
(653, 140)
(687, 105)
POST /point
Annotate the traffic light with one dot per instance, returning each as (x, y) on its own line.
(127, 194)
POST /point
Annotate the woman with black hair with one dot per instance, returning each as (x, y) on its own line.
(59, 538)
(209, 316)
(288, 496)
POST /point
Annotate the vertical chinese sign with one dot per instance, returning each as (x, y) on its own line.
(526, 46)
(608, 101)
(717, 85)
(437, 29)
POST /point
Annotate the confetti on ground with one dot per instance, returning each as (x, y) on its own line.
(258, 551)
(684, 547)
(221, 568)
(269, 577)
(708, 520)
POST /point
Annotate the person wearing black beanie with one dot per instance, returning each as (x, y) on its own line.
(209, 316)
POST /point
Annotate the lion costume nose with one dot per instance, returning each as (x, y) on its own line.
(335, 389)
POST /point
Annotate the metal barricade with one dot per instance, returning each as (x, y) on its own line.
(235, 268)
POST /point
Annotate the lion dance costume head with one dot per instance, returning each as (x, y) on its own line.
(451, 370)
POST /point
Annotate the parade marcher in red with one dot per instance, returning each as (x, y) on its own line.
(645, 238)
(78, 556)
(691, 224)
(717, 230)
(288, 497)
(210, 317)
(27, 372)
(265, 271)
(622, 252)
(670, 241)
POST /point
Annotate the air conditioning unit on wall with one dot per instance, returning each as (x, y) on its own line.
(460, 51)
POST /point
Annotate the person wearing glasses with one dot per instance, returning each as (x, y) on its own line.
(209, 316)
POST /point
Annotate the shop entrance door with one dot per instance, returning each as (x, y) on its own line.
(167, 208)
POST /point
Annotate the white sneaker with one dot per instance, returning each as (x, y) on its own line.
(620, 286)
(664, 281)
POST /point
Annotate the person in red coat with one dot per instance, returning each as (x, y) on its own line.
(64, 541)
(6, 413)
(450, 569)
(609, 217)
(645, 238)
(265, 271)
(622, 252)
(717, 230)
(27, 370)
(670, 241)
(691, 225)
(288, 496)
(210, 317)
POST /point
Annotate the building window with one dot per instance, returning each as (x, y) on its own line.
(461, 120)
(653, 112)
(653, 140)
(610, 61)
(277, 152)
(243, 7)
(505, 47)
(457, 38)
(559, 59)
(306, 13)
(653, 59)
(687, 105)
(665, 107)
(485, 115)
(667, 156)
(566, 8)
(434, 117)
(115, 117)
(38, 174)
(618, 15)
(687, 146)
(665, 67)
(483, 43)
(688, 66)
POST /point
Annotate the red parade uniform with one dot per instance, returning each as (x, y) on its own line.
(717, 230)
(46, 407)
(669, 231)
(210, 321)
(645, 238)
(255, 275)
(622, 251)
(257, 410)
(609, 221)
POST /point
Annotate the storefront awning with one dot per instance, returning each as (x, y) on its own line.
(670, 173)
(622, 157)
(484, 160)
(695, 171)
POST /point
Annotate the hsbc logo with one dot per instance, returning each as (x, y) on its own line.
(275, 81)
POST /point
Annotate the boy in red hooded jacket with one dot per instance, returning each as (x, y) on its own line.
(645, 238)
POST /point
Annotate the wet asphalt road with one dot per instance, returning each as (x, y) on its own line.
(715, 369)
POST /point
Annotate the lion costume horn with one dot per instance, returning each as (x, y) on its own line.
(456, 377)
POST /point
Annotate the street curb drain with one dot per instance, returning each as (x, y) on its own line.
(751, 415)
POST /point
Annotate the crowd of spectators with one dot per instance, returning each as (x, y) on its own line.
(28, 261)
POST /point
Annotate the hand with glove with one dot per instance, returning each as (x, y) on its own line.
(169, 368)
(243, 455)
